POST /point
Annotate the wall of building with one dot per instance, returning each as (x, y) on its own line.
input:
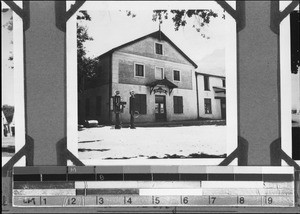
(92, 94)
(189, 103)
(123, 70)
(146, 48)
(202, 94)
(103, 70)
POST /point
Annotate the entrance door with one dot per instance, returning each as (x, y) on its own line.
(160, 108)
(223, 109)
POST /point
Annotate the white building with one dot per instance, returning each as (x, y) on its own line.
(211, 96)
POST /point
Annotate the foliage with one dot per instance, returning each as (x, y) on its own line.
(85, 65)
(8, 112)
(9, 26)
(180, 18)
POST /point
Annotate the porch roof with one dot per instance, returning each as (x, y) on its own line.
(219, 90)
(164, 82)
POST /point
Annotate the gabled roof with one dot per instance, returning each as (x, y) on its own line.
(157, 34)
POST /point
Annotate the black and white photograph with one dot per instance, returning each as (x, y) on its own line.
(153, 86)
(150, 106)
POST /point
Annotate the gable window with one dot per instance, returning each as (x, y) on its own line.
(176, 75)
(141, 103)
(207, 106)
(159, 73)
(178, 105)
(139, 70)
(206, 83)
(98, 105)
(158, 48)
(223, 83)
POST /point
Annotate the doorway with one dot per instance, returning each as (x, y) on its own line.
(160, 108)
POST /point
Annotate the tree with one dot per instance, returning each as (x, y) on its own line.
(9, 26)
(85, 64)
(8, 112)
(180, 17)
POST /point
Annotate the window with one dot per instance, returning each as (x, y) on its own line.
(98, 105)
(139, 70)
(159, 73)
(223, 83)
(206, 83)
(87, 107)
(158, 48)
(141, 103)
(207, 106)
(176, 75)
(178, 105)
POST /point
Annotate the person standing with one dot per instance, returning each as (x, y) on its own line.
(132, 109)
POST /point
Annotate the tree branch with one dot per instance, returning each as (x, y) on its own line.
(288, 10)
(73, 9)
(15, 8)
(227, 8)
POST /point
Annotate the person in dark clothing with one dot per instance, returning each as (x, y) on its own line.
(132, 109)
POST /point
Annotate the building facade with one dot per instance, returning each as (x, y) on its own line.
(211, 96)
(161, 75)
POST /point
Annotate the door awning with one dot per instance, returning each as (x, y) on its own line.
(220, 93)
(157, 86)
(219, 90)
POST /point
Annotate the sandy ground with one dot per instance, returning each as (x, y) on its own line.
(107, 142)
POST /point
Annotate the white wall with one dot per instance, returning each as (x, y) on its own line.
(202, 94)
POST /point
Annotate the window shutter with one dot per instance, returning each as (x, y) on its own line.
(143, 104)
(175, 105)
(180, 105)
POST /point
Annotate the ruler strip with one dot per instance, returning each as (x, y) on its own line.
(137, 184)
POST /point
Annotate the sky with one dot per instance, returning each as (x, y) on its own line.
(111, 27)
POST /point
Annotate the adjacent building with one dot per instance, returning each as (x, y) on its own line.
(161, 75)
(211, 96)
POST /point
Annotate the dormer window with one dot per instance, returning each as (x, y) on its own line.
(159, 48)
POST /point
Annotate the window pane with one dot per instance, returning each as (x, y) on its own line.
(178, 105)
(159, 73)
(176, 75)
(139, 70)
(206, 83)
(158, 48)
(156, 108)
(207, 106)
